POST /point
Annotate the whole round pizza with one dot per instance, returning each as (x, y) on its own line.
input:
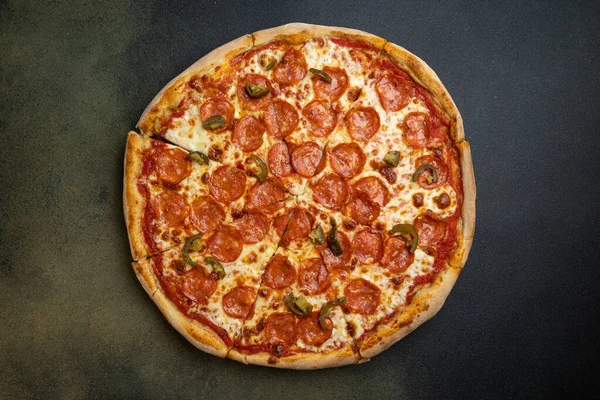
(301, 197)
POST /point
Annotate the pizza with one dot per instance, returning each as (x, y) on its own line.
(301, 197)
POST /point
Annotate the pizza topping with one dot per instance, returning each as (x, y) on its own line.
(227, 184)
(431, 172)
(271, 64)
(331, 191)
(253, 226)
(280, 328)
(264, 194)
(362, 296)
(207, 215)
(431, 230)
(396, 256)
(311, 332)
(442, 201)
(298, 228)
(417, 199)
(193, 243)
(368, 246)
(409, 232)
(321, 74)
(347, 159)
(226, 244)
(238, 301)
(394, 92)
(199, 157)
(320, 117)
(262, 172)
(259, 85)
(317, 236)
(389, 174)
(298, 305)
(291, 69)
(281, 119)
(279, 160)
(214, 122)
(416, 130)
(392, 158)
(374, 188)
(279, 272)
(248, 133)
(333, 261)
(197, 286)
(363, 123)
(334, 89)
(172, 166)
(216, 114)
(313, 277)
(325, 312)
(307, 158)
(361, 208)
(173, 208)
(334, 243)
(217, 267)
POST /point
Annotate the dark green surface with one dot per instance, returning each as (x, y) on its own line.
(523, 318)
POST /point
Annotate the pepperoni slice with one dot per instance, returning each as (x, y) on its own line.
(253, 226)
(347, 159)
(440, 166)
(313, 277)
(334, 90)
(333, 261)
(226, 244)
(394, 91)
(431, 230)
(280, 222)
(217, 106)
(207, 215)
(172, 166)
(362, 122)
(280, 164)
(331, 191)
(298, 227)
(265, 194)
(248, 133)
(416, 129)
(227, 184)
(172, 207)
(281, 119)
(320, 117)
(307, 158)
(362, 296)
(368, 246)
(396, 256)
(310, 331)
(279, 273)
(280, 328)
(249, 103)
(237, 302)
(291, 69)
(374, 188)
(362, 209)
(197, 286)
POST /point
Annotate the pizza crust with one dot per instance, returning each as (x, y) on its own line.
(196, 333)
(336, 358)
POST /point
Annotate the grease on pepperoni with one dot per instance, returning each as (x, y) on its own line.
(226, 244)
(279, 160)
(217, 106)
(440, 166)
(431, 229)
(238, 301)
(396, 256)
(198, 286)
(227, 184)
(362, 122)
(264, 194)
(313, 277)
(374, 188)
(331, 191)
(280, 328)
(320, 117)
(347, 159)
(172, 166)
(173, 208)
(247, 102)
(207, 215)
(334, 90)
(310, 331)
(367, 245)
(291, 69)
(279, 272)
(361, 208)
(362, 296)
(281, 119)
(248, 133)
(394, 91)
(307, 159)
(253, 226)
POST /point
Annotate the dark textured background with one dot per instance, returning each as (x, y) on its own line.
(523, 319)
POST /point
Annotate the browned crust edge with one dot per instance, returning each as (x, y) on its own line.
(133, 201)
(336, 358)
(430, 300)
(196, 333)
(428, 79)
